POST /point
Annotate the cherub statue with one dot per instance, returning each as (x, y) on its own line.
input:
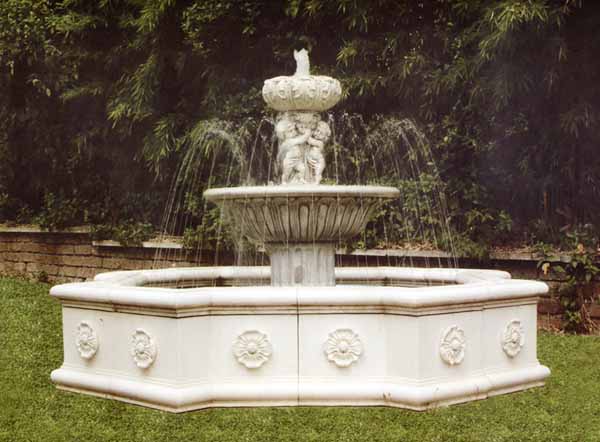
(314, 156)
(291, 151)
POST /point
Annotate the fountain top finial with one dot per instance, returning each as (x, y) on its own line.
(302, 63)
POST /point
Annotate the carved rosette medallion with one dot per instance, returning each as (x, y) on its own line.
(513, 338)
(86, 340)
(453, 344)
(252, 349)
(343, 347)
(143, 349)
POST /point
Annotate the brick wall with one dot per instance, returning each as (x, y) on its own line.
(73, 256)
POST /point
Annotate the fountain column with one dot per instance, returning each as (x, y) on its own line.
(302, 264)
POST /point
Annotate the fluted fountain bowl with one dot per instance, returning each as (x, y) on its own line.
(307, 93)
(300, 213)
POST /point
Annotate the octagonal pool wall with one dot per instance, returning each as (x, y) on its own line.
(377, 338)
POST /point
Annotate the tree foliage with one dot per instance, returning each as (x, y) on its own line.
(104, 96)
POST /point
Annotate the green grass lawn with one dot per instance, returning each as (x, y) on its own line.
(31, 409)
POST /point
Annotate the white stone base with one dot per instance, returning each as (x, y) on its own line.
(185, 349)
(179, 399)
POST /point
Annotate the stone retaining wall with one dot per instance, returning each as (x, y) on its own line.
(74, 256)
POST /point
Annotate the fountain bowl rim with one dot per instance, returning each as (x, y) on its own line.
(302, 190)
(462, 290)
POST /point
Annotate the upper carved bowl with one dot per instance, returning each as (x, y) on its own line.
(300, 213)
(313, 93)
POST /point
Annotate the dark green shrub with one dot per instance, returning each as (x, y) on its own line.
(129, 233)
(59, 212)
(579, 290)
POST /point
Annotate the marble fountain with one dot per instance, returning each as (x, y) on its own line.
(300, 332)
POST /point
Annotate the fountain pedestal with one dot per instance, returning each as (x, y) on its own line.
(302, 264)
